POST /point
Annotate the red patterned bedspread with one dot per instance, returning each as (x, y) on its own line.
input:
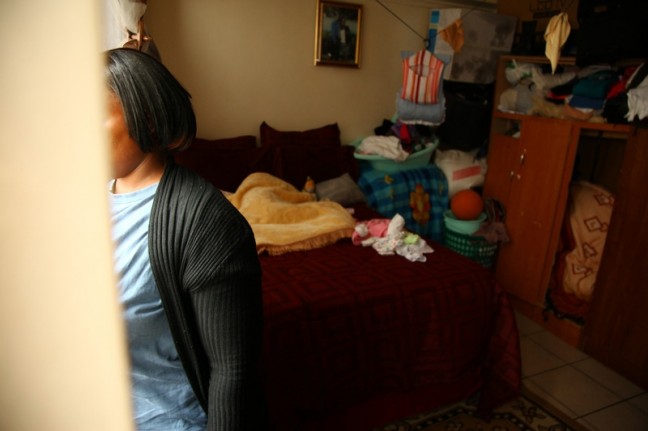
(354, 339)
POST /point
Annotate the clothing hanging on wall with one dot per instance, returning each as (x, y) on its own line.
(422, 73)
(421, 99)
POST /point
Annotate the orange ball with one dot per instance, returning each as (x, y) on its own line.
(466, 204)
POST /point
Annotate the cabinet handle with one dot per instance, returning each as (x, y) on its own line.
(522, 157)
(511, 175)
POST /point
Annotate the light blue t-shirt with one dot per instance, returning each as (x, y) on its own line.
(162, 395)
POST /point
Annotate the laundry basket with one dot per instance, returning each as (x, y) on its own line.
(473, 247)
(415, 160)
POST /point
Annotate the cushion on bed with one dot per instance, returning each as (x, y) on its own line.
(291, 156)
(238, 142)
(223, 164)
(328, 135)
(342, 190)
(294, 164)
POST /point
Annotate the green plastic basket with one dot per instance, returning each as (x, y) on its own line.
(473, 247)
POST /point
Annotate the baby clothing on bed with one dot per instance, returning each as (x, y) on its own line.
(374, 228)
(389, 237)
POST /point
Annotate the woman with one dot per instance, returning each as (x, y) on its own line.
(189, 275)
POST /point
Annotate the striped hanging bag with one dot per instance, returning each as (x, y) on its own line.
(422, 73)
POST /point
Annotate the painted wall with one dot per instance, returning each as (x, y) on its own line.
(63, 365)
(251, 61)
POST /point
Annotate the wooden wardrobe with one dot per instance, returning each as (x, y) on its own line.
(530, 165)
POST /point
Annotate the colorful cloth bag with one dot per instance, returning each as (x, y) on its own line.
(422, 74)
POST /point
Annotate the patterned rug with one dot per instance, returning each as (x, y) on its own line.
(527, 413)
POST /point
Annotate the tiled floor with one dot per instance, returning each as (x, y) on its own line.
(597, 397)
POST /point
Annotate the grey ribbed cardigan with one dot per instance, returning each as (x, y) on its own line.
(204, 260)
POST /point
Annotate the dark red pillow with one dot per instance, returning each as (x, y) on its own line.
(328, 136)
(245, 141)
(294, 164)
(225, 168)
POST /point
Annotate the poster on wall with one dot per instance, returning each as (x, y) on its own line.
(473, 40)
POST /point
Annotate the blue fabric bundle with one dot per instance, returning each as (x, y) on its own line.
(397, 193)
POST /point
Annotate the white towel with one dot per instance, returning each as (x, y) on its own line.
(388, 147)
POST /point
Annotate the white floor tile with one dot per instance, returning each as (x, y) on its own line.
(587, 425)
(535, 359)
(619, 417)
(558, 347)
(640, 401)
(579, 386)
(608, 378)
(548, 398)
(525, 325)
(575, 390)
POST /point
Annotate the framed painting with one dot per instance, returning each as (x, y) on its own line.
(337, 34)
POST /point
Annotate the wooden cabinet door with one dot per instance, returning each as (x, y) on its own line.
(616, 328)
(536, 182)
(503, 153)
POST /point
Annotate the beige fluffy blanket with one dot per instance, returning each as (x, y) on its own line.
(284, 219)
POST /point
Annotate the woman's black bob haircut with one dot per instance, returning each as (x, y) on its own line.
(157, 108)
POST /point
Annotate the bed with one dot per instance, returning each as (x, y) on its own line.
(355, 339)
